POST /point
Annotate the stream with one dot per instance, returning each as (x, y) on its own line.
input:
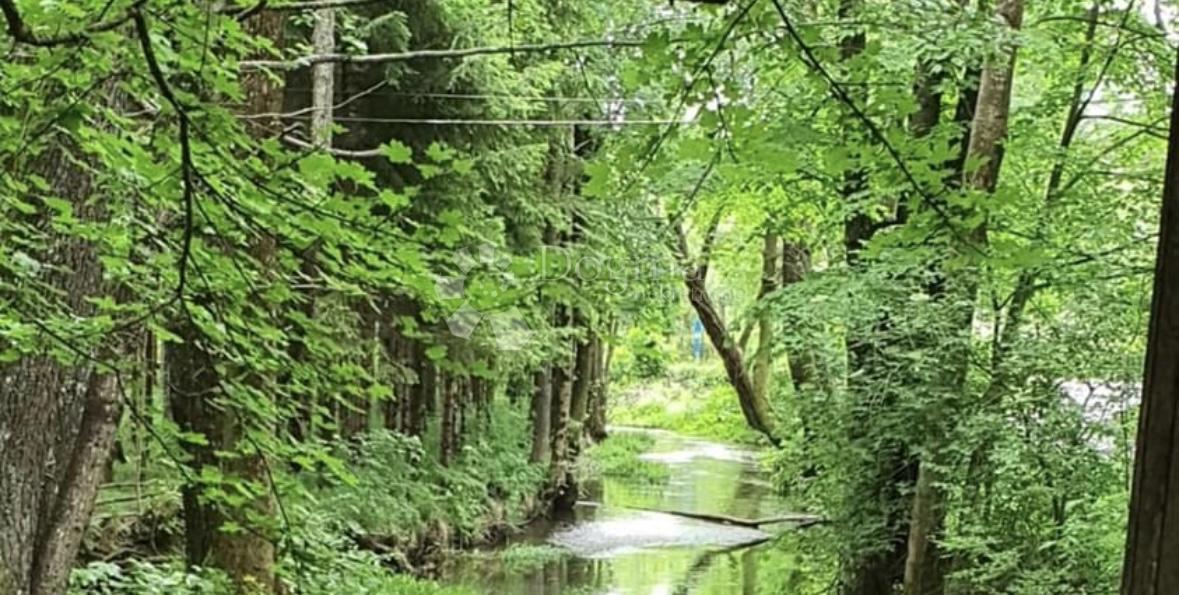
(617, 547)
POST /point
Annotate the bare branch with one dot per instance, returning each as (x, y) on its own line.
(302, 144)
(1152, 129)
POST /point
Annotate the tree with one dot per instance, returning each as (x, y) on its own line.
(1152, 543)
(229, 534)
(60, 395)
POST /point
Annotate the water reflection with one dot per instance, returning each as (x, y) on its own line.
(619, 548)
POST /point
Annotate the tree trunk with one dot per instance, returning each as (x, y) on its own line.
(991, 112)
(1152, 544)
(1008, 325)
(596, 423)
(420, 391)
(988, 131)
(923, 565)
(753, 406)
(448, 432)
(247, 556)
(541, 413)
(57, 419)
(583, 381)
(563, 491)
(322, 97)
(763, 358)
(804, 364)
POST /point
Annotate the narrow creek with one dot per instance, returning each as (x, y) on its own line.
(616, 546)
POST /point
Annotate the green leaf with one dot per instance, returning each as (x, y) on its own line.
(435, 352)
(397, 152)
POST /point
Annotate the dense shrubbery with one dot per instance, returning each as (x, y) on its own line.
(395, 493)
(397, 489)
(642, 354)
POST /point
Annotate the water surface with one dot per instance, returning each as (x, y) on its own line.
(617, 545)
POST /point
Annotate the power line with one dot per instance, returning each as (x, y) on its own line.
(314, 59)
(504, 122)
(508, 96)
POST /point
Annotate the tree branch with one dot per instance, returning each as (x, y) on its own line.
(187, 169)
(355, 154)
(19, 31)
(874, 130)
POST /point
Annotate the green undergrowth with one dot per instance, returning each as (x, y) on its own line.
(398, 490)
(352, 572)
(395, 498)
(618, 456)
(692, 399)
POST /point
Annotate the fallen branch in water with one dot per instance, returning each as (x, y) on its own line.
(800, 519)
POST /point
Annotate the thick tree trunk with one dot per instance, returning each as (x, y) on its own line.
(923, 564)
(1008, 326)
(1152, 544)
(804, 363)
(562, 489)
(57, 419)
(991, 113)
(596, 423)
(420, 392)
(247, 556)
(988, 131)
(583, 381)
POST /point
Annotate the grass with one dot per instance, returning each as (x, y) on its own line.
(618, 456)
(693, 399)
(519, 558)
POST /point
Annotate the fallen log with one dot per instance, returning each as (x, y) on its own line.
(800, 519)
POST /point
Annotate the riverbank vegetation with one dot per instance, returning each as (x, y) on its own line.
(688, 398)
(297, 296)
(620, 456)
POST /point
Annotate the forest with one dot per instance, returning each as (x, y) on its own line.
(448, 297)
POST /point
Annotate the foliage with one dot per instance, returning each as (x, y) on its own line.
(396, 488)
(354, 572)
(148, 222)
(107, 578)
(642, 354)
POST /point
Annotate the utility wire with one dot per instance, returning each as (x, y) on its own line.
(507, 122)
(508, 96)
